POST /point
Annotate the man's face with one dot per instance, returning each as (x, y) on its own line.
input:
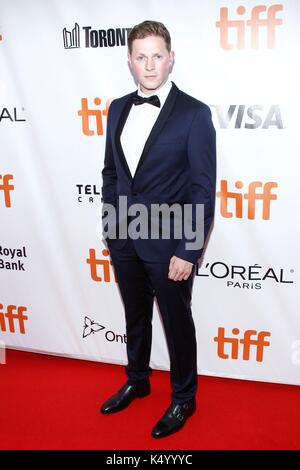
(150, 63)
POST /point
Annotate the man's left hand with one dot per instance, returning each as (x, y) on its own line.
(179, 269)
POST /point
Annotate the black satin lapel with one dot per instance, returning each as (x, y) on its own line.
(159, 123)
(120, 126)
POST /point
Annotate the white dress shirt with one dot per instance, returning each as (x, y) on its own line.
(139, 124)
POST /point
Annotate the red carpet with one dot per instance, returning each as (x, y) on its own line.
(49, 402)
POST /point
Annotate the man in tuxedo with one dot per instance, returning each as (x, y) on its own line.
(160, 149)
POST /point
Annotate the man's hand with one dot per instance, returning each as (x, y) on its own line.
(179, 269)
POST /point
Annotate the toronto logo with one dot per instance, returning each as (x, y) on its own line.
(91, 37)
(71, 38)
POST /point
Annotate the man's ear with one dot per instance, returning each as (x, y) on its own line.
(129, 58)
(172, 59)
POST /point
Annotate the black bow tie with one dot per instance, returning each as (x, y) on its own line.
(154, 99)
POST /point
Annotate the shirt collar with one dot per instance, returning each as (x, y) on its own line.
(162, 92)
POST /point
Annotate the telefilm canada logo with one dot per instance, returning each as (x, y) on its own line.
(91, 327)
(87, 36)
(89, 193)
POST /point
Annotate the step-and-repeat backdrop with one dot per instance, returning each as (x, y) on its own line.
(61, 64)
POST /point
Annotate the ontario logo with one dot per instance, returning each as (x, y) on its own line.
(91, 327)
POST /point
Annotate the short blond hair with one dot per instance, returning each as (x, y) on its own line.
(149, 28)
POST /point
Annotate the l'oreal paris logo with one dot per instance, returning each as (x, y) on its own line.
(245, 277)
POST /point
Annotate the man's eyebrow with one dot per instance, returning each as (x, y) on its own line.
(141, 53)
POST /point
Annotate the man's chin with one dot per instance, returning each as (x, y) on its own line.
(151, 86)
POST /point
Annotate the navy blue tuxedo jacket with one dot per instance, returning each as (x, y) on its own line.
(177, 165)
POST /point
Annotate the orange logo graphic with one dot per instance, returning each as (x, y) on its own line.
(6, 188)
(1, 37)
(86, 115)
(12, 314)
(255, 23)
(104, 263)
(251, 196)
(251, 338)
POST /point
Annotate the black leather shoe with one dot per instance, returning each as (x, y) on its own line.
(174, 418)
(125, 396)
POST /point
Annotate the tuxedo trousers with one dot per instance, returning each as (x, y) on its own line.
(140, 282)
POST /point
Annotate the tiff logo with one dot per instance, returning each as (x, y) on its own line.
(105, 264)
(252, 196)
(86, 114)
(71, 38)
(255, 23)
(1, 37)
(2, 353)
(12, 314)
(251, 339)
(6, 188)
